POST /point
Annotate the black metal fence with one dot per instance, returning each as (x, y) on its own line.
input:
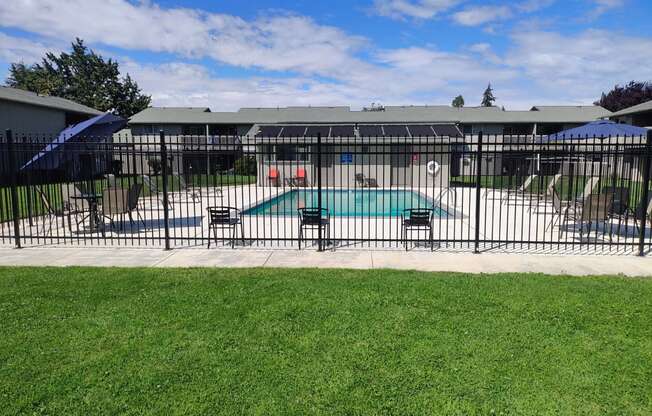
(510, 193)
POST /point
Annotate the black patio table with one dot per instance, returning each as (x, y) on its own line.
(95, 222)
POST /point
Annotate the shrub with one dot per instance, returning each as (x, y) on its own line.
(246, 165)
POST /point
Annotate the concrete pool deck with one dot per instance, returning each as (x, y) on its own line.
(575, 265)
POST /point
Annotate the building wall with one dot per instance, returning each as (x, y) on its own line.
(30, 119)
(340, 164)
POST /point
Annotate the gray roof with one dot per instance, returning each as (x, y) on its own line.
(572, 113)
(27, 97)
(391, 114)
(640, 108)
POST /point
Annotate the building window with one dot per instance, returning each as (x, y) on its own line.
(193, 130)
(222, 130)
(518, 129)
(549, 128)
(467, 129)
(149, 129)
(292, 153)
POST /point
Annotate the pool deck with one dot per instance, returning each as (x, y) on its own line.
(189, 231)
(573, 265)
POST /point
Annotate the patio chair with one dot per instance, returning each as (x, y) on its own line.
(620, 208)
(560, 209)
(52, 213)
(640, 214)
(365, 182)
(522, 191)
(543, 200)
(135, 191)
(417, 219)
(184, 190)
(155, 189)
(68, 192)
(314, 219)
(300, 179)
(552, 184)
(220, 218)
(274, 177)
(589, 187)
(593, 210)
(115, 203)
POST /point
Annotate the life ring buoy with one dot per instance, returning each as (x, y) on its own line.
(433, 167)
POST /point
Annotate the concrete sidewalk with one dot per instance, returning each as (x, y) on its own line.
(578, 265)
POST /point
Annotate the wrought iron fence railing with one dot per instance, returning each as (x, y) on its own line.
(517, 193)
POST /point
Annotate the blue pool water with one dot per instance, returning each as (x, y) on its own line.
(347, 203)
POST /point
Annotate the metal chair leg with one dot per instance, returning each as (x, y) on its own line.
(300, 235)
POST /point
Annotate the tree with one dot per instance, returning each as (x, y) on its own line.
(621, 97)
(82, 76)
(488, 98)
(458, 101)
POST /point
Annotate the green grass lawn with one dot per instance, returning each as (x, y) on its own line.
(259, 341)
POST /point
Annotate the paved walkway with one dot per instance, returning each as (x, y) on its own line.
(579, 265)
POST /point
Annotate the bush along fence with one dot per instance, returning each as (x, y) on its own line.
(327, 189)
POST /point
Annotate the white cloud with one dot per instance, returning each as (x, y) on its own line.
(474, 16)
(305, 63)
(280, 42)
(417, 9)
(13, 49)
(530, 6)
(603, 6)
(580, 65)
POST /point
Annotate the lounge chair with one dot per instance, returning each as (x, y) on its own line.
(417, 219)
(589, 187)
(522, 191)
(183, 190)
(559, 207)
(314, 219)
(365, 182)
(537, 201)
(155, 189)
(220, 218)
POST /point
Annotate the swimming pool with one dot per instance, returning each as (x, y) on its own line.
(347, 202)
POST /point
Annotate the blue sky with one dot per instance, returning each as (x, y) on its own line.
(232, 54)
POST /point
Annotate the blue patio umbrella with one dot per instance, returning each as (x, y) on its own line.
(92, 131)
(600, 128)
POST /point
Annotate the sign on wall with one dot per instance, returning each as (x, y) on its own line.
(346, 158)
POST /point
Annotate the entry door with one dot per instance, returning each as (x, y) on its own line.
(400, 161)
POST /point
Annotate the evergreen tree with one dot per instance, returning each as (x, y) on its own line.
(82, 76)
(488, 98)
(458, 101)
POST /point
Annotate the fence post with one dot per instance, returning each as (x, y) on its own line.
(478, 190)
(13, 177)
(319, 201)
(166, 202)
(646, 186)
